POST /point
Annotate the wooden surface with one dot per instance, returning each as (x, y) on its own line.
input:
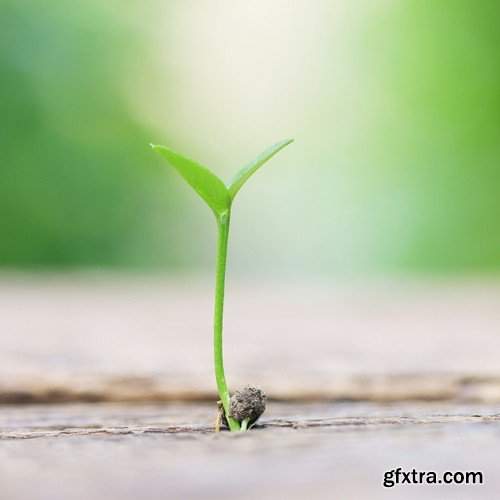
(134, 339)
(403, 374)
(300, 451)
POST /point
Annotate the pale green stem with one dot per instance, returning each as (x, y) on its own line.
(244, 424)
(223, 235)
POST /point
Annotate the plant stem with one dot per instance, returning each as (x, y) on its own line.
(223, 235)
(244, 424)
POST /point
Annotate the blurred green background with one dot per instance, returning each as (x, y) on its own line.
(394, 107)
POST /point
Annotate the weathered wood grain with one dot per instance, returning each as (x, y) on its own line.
(120, 451)
(105, 338)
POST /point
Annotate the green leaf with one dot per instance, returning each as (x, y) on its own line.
(206, 184)
(243, 175)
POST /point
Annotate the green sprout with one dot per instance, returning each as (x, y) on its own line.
(219, 198)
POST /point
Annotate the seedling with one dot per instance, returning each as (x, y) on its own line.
(243, 409)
